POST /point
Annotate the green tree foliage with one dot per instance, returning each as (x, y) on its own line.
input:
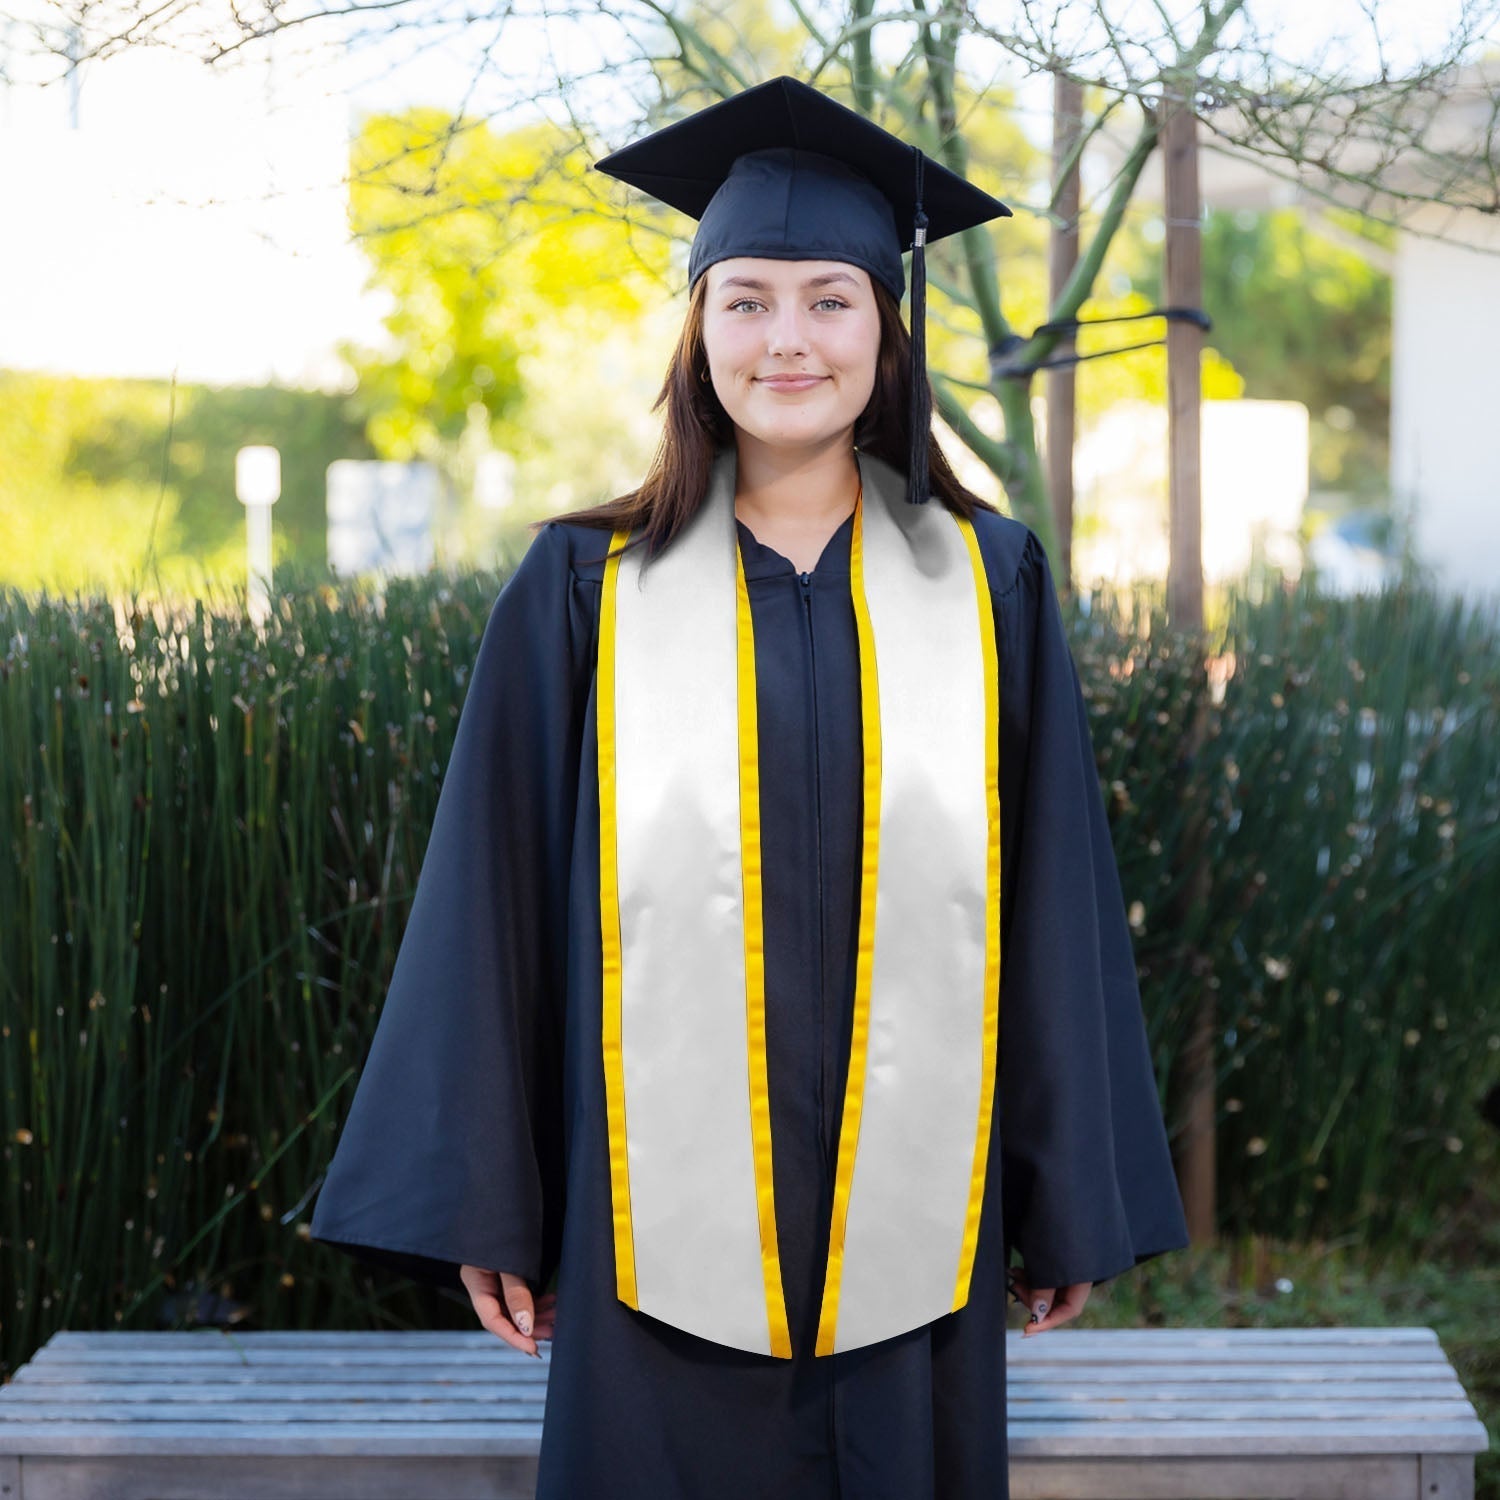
(497, 255)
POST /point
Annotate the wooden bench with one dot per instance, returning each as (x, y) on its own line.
(1254, 1414)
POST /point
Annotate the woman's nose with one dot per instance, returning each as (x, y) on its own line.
(786, 335)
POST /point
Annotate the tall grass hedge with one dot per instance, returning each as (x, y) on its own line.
(210, 834)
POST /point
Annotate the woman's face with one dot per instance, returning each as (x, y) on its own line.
(792, 347)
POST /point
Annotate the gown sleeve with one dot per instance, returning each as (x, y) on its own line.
(452, 1153)
(1088, 1186)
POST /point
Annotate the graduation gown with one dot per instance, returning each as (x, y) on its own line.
(478, 1131)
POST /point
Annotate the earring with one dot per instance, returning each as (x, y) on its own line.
(703, 374)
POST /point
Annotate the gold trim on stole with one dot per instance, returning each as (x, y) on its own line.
(609, 910)
(991, 1041)
(755, 965)
(854, 1085)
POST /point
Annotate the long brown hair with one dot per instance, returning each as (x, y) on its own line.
(697, 427)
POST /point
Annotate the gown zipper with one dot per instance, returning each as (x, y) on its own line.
(806, 581)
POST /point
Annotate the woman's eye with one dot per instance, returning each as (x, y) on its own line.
(754, 302)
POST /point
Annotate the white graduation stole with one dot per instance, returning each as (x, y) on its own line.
(683, 961)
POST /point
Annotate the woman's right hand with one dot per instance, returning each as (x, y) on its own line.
(502, 1303)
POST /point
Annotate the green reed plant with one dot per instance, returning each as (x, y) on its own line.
(1362, 784)
(1350, 791)
(211, 833)
(210, 836)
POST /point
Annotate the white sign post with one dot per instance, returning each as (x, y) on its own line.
(257, 482)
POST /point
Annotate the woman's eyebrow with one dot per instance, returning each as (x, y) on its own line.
(760, 286)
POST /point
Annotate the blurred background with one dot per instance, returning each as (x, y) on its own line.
(373, 241)
(307, 309)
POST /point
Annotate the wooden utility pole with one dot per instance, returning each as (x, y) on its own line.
(1067, 127)
(1184, 288)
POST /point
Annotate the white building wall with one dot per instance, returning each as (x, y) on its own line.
(1445, 397)
(1254, 476)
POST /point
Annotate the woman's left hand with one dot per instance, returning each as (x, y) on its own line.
(1050, 1306)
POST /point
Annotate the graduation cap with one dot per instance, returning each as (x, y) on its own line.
(784, 172)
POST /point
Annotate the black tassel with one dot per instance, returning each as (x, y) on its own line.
(921, 391)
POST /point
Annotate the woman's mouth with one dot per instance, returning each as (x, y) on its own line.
(791, 382)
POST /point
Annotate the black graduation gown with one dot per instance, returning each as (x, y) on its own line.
(478, 1130)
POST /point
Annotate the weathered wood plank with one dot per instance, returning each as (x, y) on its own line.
(1055, 1347)
(252, 1384)
(1069, 1436)
(1354, 1336)
(1266, 1478)
(345, 1477)
(1052, 1440)
(432, 1440)
(1396, 1422)
(227, 1357)
(1063, 1350)
(187, 1396)
(64, 1341)
(1085, 1438)
(236, 1414)
(523, 1371)
(1394, 1418)
(1393, 1414)
(476, 1338)
(1233, 1383)
(1361, 1396)
(1445, 1477)
(1303, 1375)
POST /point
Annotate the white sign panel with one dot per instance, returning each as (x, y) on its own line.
(381, 516)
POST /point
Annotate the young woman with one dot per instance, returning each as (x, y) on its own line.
(768, 978)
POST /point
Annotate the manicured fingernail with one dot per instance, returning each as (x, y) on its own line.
(523, 1322)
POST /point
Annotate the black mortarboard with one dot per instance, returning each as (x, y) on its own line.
(785, 172)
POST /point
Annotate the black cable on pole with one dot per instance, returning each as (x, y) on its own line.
(1002, 368)
(1194, 315)
(1061, 361)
